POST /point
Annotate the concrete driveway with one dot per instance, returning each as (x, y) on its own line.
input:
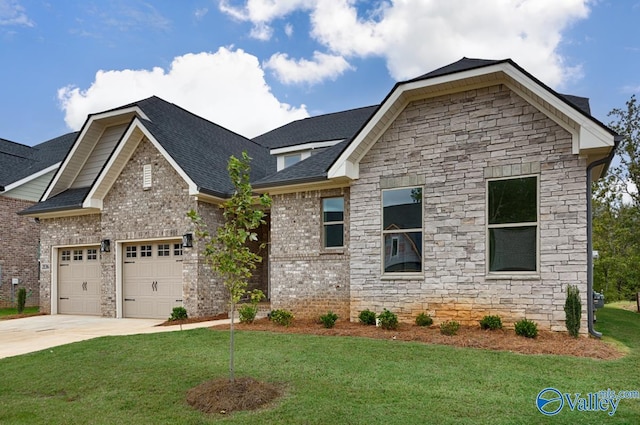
(20, 336)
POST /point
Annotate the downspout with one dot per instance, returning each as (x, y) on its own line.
(590, 308)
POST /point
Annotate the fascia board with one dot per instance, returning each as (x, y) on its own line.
(93, 118)
(31, 177)
(305, 146)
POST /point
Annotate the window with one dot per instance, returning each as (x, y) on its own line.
(92, 254)
(513, 224)
(77, 255)
(333, 222)
(66, 255)
(289, 160)
(145, 250)
(132, 251)
(163, 250)
(177, 249)
(402, 230)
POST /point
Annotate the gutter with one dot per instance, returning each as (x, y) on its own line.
(590, 308)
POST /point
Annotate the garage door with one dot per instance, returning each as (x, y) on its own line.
(79, 280)
(152, 279)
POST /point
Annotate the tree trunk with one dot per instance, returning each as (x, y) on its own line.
(231, 347)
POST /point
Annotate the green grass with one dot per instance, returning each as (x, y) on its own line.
(143, 379)
(11, 311)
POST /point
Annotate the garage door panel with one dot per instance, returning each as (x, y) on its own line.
(152, 285)
(79, 276)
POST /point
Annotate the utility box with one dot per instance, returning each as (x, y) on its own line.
(598, 300)
(15, 281)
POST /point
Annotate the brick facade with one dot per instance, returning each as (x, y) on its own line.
(452, 145)
(131, 213)
(305, 277)
(19, 240)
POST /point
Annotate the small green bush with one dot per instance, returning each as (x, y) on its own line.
(329, 320)
(526, 328)
(388, 320)
(367, 317)
(281, 317)
(178, 313)
(491, 322)
(22, 299)
(573, 310)
(423, 319)
(247, 313)
(449, 327)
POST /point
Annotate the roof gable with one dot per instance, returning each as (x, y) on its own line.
(588, 134)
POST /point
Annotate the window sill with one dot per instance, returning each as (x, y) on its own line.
(512, 276)
(402, 276)
(332, 251)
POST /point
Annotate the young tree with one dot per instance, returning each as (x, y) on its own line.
(227, 251)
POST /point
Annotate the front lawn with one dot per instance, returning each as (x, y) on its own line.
(143, 379)
(7, 312)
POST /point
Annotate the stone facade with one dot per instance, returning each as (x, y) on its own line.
(19, 244)
(451, 145)
(305, 277)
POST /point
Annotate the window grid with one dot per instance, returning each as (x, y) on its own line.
(145, 250)
(66, 255)
(177, 249)
(92, 254)
(131, 252)
(77, 255)
(163, 250)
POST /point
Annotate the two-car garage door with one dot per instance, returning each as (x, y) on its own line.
(151, 279)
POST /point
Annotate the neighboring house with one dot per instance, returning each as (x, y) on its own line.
(463, 194)
(25, 172)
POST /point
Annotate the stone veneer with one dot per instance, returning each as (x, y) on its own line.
(305, 277)
(454, 144)
(131, 213)
(18, 251)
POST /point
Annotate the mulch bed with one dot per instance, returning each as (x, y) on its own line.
(546, 342)
(222, 396)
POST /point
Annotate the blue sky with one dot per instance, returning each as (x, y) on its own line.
(254, 65)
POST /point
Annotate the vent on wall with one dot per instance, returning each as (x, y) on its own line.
(146, 176)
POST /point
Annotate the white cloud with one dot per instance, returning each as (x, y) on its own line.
(417, 36)
(261, 31)
(288, 30)
(200, 13)
(322, 67)
(226, 87)
(12, 14)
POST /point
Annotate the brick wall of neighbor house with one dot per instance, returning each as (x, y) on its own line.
(19, 240)
(79, 230)
(452, 144)
(305, 278)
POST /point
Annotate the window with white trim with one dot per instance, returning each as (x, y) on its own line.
(333, 222)
(402, 230)
(163, 250)
(512, 224)
(131, 251)
(177, 249)
(291, 159)
(77, 255)
(66, 255)
(92, 254)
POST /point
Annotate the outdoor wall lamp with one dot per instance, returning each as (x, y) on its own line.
(187, 240)
(105, 245)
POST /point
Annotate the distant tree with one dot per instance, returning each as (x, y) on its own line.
(227, 250)
(616, 212)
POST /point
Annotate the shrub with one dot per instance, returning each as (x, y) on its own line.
(329, 319)
(22, 299)
(449, 327)
(367, 317)
(573, 310)
(178, 313)
(388, 320)
(281, 317)
(526, 328)
(423, 319)
(248, 312)
(491, 322)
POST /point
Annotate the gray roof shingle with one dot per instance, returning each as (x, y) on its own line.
(334, 126)
(19, 161)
